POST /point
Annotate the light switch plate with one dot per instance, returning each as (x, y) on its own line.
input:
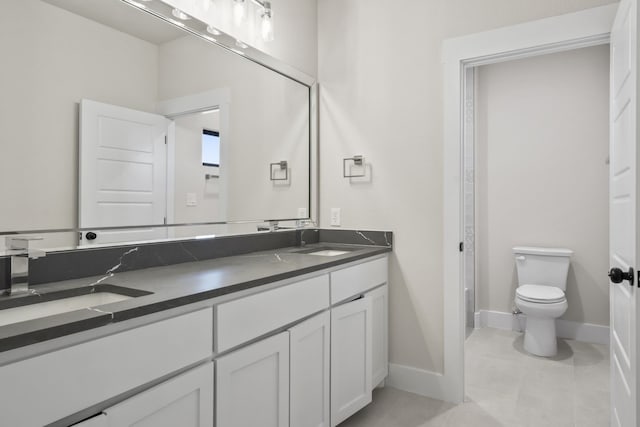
(335, 217)
(192, 199)
(302, 212)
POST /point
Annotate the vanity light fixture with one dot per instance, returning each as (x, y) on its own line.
(180, 14)
(239, 11)
(267, 22)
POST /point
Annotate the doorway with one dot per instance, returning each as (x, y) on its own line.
(590, 27)
(536, 174)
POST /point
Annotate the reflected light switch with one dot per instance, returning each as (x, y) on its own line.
(192, 199)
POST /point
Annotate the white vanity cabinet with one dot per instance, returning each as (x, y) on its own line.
(69, 380)
(252, 385)
(359, 330)
(309, 370)
(185, 401)
(253, 382)
(380, 334)
(351, 348)
(305, 352)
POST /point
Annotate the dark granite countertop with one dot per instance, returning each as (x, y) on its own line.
(177, 285)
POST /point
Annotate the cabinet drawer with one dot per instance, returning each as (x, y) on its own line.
(69, 380)
(358, 279)
(244, 319)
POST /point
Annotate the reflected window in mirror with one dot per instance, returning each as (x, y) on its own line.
(210, 148)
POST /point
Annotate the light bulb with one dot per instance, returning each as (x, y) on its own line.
(212, 30)
(180, 14)
(136, 4)
(267, 27)
(239, 7)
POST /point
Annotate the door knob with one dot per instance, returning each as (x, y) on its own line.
(91, 235)
(617, 275)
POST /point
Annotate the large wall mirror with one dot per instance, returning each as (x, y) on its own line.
(112, 117)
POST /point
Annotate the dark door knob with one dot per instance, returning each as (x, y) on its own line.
(617, 275)
(91, 235)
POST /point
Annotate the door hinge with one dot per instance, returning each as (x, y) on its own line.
(461, 246)
(165, 139)
(165, 220)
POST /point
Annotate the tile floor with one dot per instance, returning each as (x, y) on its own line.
(507, 387)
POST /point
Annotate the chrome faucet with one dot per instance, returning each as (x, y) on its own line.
(21, 253)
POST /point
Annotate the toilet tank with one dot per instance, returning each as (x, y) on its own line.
(542, 266)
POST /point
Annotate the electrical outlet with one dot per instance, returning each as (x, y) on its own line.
(302, 213)
(335, 217)
(192, 199)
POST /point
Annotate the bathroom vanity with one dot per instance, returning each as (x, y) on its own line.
(283, 337)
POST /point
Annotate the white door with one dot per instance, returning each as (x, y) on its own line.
(350, 358)
(309, 370)
(623, 215)
(185, 401)
(379, 334)
(252, 385)
(122, 172)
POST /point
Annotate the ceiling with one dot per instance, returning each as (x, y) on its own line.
(122, 17)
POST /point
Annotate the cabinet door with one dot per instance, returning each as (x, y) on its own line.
(380, 332)
(350, 358)
(309, 370)
(185, 401)
(252, 385)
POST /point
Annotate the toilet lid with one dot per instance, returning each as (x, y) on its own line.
(540, 293)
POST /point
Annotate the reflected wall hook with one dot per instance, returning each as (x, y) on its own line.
(357, 161)
(281, 165)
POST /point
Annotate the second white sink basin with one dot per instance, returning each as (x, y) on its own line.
(59, 306)
(328, 252)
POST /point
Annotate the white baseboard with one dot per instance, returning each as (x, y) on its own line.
(418, 381)
(585, 332)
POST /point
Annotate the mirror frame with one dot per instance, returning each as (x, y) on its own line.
(195, 27)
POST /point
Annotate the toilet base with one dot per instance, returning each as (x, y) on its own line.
(540, 336)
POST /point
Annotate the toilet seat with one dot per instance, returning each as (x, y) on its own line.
(540, 294)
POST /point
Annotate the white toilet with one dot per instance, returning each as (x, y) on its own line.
(542, 280)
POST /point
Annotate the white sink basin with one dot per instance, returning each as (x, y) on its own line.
(328, 252)
(59, 306)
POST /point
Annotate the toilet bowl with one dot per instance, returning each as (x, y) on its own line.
(542, 280)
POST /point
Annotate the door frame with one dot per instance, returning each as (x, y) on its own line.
(589, 27)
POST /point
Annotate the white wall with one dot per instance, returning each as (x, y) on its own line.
(380, 74)
(47, 69)
(542, 135)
